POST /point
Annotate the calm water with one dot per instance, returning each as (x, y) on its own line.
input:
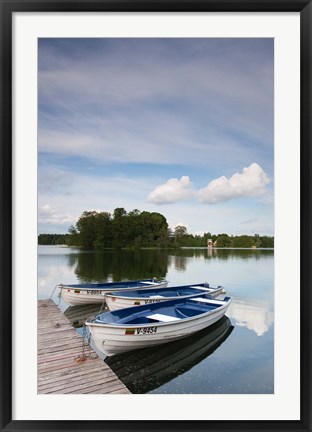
(236, 355)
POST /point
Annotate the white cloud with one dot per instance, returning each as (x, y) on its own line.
(251, 182)
(172, 191)
(47, 214)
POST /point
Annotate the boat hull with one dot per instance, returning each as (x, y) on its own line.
(115, 301)
(111, 339)
(80, 296)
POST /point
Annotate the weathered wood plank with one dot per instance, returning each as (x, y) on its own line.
(68, 354)
(93, 381)
(59, 365)
(72, 378)
(58, 347)
(59, 374)
(45, 338)
(50, 349)
(112, 386)
(121, 391)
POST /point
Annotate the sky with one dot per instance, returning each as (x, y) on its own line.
(183, 127)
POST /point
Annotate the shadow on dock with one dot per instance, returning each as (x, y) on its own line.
(147, 369)
(77, 315)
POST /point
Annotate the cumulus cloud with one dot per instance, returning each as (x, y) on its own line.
(250, 183)
(172, 191)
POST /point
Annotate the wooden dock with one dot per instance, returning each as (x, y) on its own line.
(59, 372)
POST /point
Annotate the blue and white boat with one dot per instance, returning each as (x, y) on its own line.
(131, 297)
(90, 293)
(153, 324)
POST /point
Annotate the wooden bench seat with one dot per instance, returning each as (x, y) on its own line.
(163, 318)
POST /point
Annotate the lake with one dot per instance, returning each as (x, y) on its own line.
(234, 356)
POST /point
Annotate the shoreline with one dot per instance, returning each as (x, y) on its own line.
(160, 248)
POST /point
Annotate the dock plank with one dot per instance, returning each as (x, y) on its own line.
(58, 347)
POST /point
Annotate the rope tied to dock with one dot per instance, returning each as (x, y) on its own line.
(86, 348)
(103, 306)
(59, 295)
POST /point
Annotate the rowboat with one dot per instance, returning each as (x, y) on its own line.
(146, 369)
(128, 298)
(153, 324)
(90, 293)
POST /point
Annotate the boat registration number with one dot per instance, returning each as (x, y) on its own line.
(147, 330)
(94, 292)
(151, 301)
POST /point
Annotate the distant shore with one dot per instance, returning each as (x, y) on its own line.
(228, 248)
(168, 248)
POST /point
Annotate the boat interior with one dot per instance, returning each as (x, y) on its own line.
(114, 285)
(166, 292)
(171, 311)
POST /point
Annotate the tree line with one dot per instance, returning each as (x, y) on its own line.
(136, 229)
(53, 239)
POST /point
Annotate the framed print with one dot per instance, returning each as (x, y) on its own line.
(155, 188)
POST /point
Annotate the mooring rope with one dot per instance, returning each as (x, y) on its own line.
(86, 348)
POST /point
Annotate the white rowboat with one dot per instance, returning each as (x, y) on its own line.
(142, 326)
(131, 297)
(79, 294)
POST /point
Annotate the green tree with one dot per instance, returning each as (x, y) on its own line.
(87, 229)
(257, 240)
(52, 239)
(267, 242)
(103, 231)
(119, 228)
(180, 235)
(72, 236)
(223, 240)
(243, 241)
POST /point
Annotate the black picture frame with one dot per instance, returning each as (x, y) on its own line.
(8, 7)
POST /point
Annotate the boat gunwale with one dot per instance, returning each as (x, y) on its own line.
(150, 298)
(209, 291)
(107, 287)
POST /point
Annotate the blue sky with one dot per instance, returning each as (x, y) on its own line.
(183, 127)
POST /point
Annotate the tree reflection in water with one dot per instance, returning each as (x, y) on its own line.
(115, 265)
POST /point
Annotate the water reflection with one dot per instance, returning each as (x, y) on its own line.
(178, 262)
(53, 270)
(144, 370)
(254, 314)
(224, 254)
(129, 264)
(243, 364)
(119, 265)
